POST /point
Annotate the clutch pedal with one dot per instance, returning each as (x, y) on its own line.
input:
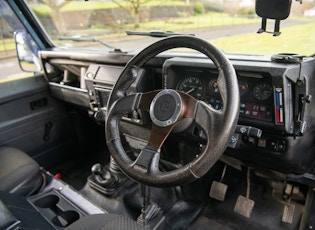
(218, 189)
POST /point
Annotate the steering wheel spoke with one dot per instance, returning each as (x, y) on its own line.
(148, 160)
(146, 99)
(208, 117)
(126, 104)
(159, 135)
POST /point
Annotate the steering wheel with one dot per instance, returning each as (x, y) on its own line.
(169, 107)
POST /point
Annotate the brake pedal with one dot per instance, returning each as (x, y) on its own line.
(218, 189)
(244, 206)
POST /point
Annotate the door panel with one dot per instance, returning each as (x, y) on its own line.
(33, 121)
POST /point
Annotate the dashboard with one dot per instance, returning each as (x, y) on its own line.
(272, 98)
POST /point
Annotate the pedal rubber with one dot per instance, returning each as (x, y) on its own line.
(288, 213)
(218, 190)
(244, 206)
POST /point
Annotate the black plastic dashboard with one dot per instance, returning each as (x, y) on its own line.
(275, 97)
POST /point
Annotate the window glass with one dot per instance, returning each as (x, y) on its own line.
(9, 23)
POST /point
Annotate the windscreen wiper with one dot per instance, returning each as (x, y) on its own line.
(155, 33)
(80, 38)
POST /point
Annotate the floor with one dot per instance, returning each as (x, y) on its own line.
(266, 213)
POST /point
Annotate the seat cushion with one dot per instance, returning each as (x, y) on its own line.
(19, 173)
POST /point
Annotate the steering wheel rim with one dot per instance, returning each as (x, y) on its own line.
(217, 125)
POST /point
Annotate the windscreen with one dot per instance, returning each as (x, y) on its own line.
(232, 25)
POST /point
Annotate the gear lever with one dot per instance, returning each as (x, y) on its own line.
(97, 169)
(103, 176)
(108, 179)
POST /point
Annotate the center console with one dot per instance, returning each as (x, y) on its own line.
(61, 205)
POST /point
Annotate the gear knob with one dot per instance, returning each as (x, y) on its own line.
(97, 169)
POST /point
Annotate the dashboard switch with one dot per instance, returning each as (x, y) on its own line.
(248, 131)
(281, 146)
(251, 140)
(273, 145)
(232, 139)
(261, 143)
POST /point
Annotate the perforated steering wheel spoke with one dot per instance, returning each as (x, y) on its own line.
(214, 117)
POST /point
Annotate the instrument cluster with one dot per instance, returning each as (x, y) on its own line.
(199, 86)
(256, 90)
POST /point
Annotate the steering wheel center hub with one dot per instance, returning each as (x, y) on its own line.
(166, 108)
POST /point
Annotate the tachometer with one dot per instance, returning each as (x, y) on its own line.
(262, 91)
(193, 86)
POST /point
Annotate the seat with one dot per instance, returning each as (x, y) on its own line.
(19, 173)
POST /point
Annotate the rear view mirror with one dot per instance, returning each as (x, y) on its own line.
(272, 9)
(27, 51)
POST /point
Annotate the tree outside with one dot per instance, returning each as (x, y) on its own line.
(56, 15)
(133, 7)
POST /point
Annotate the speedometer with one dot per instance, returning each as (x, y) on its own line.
(193, 86)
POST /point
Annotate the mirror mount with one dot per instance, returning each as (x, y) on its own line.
(273, 9)
(276, 31)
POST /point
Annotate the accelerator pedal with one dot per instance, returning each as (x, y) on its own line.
(288, 209)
